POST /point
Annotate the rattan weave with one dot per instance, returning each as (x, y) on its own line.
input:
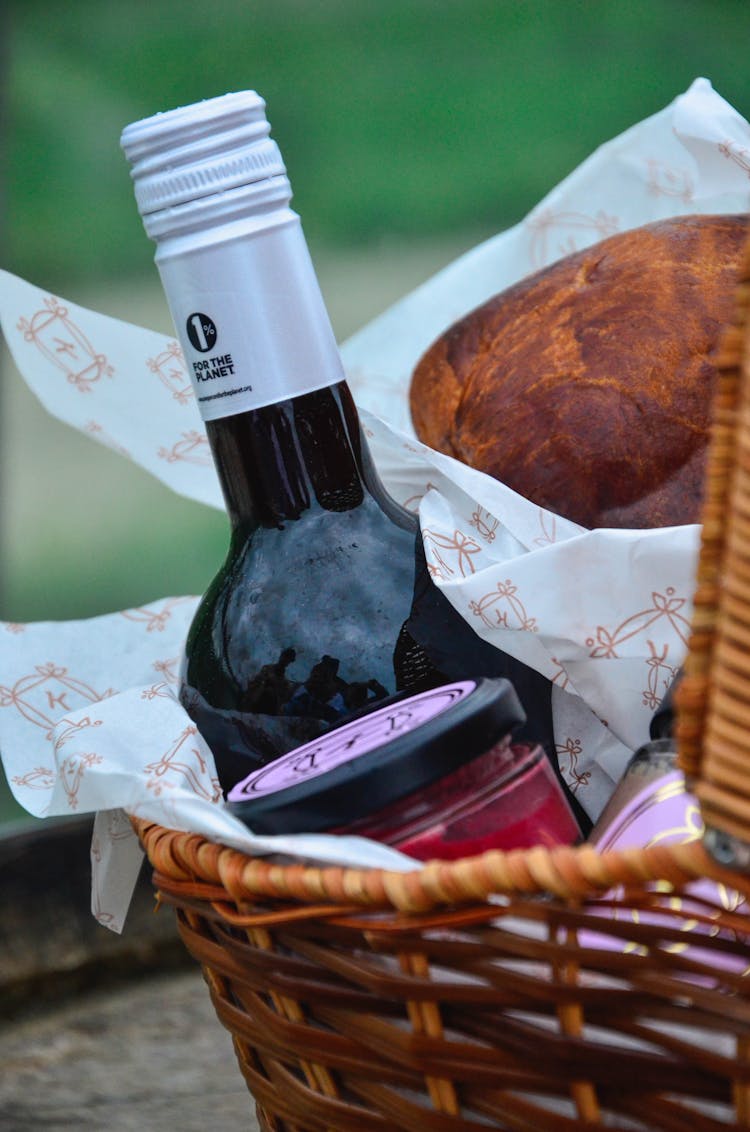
(533, 990)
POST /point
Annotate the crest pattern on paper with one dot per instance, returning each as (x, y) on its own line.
(665, 607)
(64, 345)
(169, 367)
(191, 448)
(41, 695)
(503, 608)
(557, 234)
(154, 618)
(38, 778)
(664, 180)
(183, 762)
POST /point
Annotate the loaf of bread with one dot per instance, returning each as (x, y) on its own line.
(587, 386)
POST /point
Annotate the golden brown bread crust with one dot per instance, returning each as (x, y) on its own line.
(587, 386)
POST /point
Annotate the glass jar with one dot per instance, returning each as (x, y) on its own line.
(436, 775)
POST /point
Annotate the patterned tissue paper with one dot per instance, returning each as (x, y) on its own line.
(89, 718)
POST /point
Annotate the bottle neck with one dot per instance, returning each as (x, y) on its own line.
(266, 370)
(279, 461)
(248, 311)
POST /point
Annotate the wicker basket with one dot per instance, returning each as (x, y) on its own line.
(530, 990)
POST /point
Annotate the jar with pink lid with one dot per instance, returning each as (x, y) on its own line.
(436, 775)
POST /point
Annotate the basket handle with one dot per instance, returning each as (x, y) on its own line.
(713, 700)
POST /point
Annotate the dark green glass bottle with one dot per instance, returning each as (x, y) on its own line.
(299, 628)
(324, 606)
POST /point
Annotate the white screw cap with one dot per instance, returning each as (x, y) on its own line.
(197, 151)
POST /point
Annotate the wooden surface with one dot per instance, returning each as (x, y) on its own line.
(97, 1030)
(149, 1054)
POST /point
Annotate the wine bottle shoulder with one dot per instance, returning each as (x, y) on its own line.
(328, 585)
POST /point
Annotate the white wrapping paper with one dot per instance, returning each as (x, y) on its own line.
(89, 719)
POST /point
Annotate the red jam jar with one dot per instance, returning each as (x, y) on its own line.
(435, 775)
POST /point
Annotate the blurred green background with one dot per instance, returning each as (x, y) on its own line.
(411, 129)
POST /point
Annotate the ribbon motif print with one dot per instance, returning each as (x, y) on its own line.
(463, 545)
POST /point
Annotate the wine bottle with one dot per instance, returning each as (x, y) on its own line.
(324, 606)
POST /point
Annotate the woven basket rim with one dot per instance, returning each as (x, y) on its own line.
(182, 861)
